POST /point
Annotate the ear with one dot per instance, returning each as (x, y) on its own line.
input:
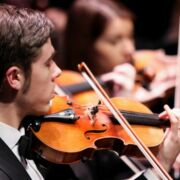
(15, 77)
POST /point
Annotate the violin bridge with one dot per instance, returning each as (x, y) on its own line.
(91, 112)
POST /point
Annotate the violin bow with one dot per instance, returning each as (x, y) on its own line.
(177, 87)
(87, 74)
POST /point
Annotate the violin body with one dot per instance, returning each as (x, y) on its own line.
(76, 87)
(67, 142)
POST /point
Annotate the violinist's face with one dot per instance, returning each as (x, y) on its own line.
(41, 86)
(116, 45)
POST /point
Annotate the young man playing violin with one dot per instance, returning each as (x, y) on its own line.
(27, 73)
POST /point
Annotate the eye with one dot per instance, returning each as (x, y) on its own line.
(49, 63)
(115, 40)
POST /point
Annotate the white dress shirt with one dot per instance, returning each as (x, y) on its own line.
(11, 137)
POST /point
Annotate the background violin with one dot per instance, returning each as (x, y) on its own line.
(152, 63)
(74, 85)
(159, 72)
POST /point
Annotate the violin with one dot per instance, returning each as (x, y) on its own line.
(149, 63)
(159, 76)
(71, 132)
(77, 88)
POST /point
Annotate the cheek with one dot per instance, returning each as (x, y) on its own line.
(38, 97)
(115, 55)
(104, 61)
(110, 55)
(107, 56)
(40, 83)
(42, 76)
(103, 51)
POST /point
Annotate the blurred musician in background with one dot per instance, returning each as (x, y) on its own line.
(101, 33)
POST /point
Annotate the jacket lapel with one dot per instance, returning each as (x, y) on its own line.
(10, 164)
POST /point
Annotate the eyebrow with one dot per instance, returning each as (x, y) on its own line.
(52, 56)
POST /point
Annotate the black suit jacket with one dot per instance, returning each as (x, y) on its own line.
(10, 167)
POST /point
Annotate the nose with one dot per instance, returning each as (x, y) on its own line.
(129, 48)
(56, 71)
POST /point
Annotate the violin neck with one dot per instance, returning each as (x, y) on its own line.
(137, 118)
(79, 87)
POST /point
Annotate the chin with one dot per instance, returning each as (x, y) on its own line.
(42, 111)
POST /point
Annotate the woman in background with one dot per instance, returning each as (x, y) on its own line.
(99, 33)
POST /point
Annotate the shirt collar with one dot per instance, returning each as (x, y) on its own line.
(9, 135)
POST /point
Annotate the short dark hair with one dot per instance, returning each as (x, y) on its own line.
(22, 33)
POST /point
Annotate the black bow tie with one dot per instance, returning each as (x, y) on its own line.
(25, 147)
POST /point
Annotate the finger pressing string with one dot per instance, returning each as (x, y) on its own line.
(164, 115)
(174, 120)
